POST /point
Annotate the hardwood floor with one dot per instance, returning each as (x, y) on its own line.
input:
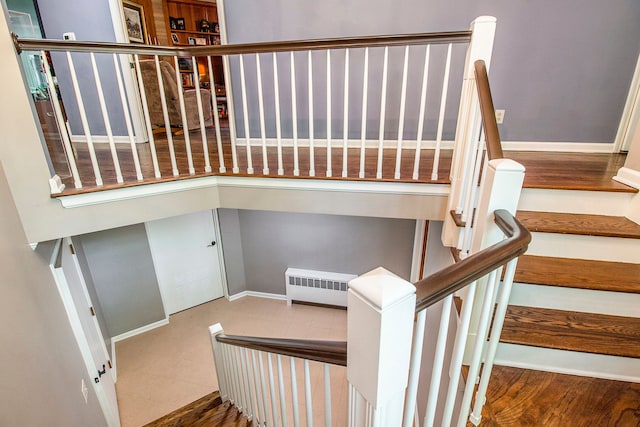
(522, 398)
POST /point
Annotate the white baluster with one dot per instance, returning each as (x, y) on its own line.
(294, 393)
(257, 390)
(312, 163)
(265, 161)
(263, 385)
(329, 171)
(345, 113)
(127, 118)
(276, 96)
(283, 403)
(363, 129)
(249, 384)
(423, 99)
(327, 396)
(294, 117)
(203, 129)
(307, 394)
(403, 103)
(165, 114)
(245, 113)
(272, 390)
(218, 357)
(216, 118)
(105, 118)
(414, 370)
(84, 120)
(496, 329)
(61, 123)
(147, 119)
(438, 362)
(383, 109)
(183, 114)
(443, 104)
(380, 314)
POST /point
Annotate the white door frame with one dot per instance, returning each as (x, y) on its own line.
(110, 413)
(630, 115)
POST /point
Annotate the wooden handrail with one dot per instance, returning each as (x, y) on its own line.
(445, 282)
(489, 124)
(244, 48)
(334, 352)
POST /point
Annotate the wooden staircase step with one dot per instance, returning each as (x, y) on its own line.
(571, 330)
(579, 273)
(590, 225)
(206, 411)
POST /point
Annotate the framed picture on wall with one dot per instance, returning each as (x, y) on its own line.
(134, 21)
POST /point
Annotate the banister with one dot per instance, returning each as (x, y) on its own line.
(333, 352)
(440, 284)
(489, 124)
(243, 48)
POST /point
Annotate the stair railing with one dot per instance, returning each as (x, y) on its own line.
(383, 352)
(297, 104)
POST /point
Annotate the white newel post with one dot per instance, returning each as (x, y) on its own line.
(218, 358)
(500, 188)
(381, 308)
(468, 126)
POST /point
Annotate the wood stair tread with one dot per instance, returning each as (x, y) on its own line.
(206, 411)
(579, 273)
(573, 331)
(583, 224)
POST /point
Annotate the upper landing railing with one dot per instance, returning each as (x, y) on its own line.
(357, 108)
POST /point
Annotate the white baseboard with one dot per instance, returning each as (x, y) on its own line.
(267, 295)
(629, 177)
(140, 330)
(569, 362)
(571, 147)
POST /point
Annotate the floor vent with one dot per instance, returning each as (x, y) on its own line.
(321, 287)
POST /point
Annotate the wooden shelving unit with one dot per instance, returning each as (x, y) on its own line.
(183, 19)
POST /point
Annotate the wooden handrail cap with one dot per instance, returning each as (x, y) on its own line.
(381, 288)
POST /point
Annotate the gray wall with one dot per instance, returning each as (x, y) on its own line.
(561, 69)
(90, 21)
(41, 363)
(124, 277)
(274, 241)
(232, 248)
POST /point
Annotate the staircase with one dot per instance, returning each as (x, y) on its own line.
(207, 411)
(574, 305)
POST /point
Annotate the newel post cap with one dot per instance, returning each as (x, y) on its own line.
(381, 288)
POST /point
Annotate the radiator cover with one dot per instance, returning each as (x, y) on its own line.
(320, 287)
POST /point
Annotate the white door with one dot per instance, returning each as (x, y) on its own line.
(186, 257)
(79, 308)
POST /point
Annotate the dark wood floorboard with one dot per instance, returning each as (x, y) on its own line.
(589, 225)
(523, 398)
(579, 273)
(573, 331)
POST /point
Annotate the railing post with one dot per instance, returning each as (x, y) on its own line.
(467, 132)
(218, 357)
(381, 309)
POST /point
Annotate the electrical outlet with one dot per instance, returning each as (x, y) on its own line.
(499, 116)
(69, 36)
(85, 392)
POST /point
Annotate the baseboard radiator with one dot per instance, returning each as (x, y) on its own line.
(320, 287)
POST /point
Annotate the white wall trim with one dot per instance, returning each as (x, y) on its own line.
(126, 193)
(630, 114)
(104, 139)
(569, 362)
(140, 330)
(256, 294)
(629, 177)
(114, 371)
